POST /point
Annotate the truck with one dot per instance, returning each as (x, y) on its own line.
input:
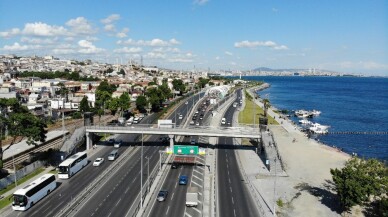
(192, 196)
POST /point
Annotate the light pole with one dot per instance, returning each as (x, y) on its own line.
(160, 160)
(141, 173)
(148, 172)
(14, 168)
(274, 192)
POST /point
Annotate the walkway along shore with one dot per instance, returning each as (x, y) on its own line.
(307, 189)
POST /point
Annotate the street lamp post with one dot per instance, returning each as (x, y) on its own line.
(14, 169)
(148, 172)
(141, 173)
(274, 192)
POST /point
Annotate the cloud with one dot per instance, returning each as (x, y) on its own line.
(369, 65)
(200, 2)
(228, 53)
(110, 28)
(87, 47)
(254, 44)
(10, 33)
(153, 55)
(179, 60)
(81, 25)
(152, 43)
(128, 50)
(39, 40)
(43, 29)
(17, 47)
(217, 58)
(111, 18)
(123, 33)
(166, 50)
(281, 47)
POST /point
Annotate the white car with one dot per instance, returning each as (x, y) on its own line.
(187, 102)
(98, 162)
(180, 117)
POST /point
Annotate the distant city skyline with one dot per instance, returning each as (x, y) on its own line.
(343, 36)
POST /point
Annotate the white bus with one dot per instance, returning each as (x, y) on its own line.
(26, 197)
(72, 165)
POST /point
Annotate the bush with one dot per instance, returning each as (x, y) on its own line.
(76, 115)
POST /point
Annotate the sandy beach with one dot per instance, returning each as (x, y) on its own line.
(307, 188)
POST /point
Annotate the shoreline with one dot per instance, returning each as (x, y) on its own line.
(307, 188)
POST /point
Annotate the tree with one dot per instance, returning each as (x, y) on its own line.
(359, 180)
(124, 102)
(121, 72)
(141, 103)
(63, 91)
(266, 106)
(84, 105)
(21, 124)
(105, 86)
(179, 85)
(114, 105)
(202, 82)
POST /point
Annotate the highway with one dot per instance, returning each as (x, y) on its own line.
(234, 200)
(67, 189)
(175, 204)
(117, 196)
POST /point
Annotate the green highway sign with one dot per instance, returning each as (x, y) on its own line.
(186, 150)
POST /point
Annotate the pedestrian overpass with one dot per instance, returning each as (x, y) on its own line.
(153, 129)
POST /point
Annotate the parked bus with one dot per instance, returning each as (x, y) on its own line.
(72, 165)
(26, 197)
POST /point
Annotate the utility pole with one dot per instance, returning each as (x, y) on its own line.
(141, 173)
(274, 192)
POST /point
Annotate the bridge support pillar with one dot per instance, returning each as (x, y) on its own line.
(171, 141)
(89, 140)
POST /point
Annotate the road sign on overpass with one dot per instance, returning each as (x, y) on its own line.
(186, 149)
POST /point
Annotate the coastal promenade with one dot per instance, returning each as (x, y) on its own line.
(306, 189)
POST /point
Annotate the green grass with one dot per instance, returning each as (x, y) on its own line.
(5, 201)
(250, 109)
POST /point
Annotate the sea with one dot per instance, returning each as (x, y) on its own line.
(355, 108)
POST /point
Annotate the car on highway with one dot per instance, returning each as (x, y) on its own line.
(187, 102)
(98, 161)
(111, 141)
(197, 124)
(192, 142)
(180, 117)
(223, 121)
(192, 122)
(228, 123)
(164, 139)
(162, 195)
(174, 166)
(183, 180)
(117, 143)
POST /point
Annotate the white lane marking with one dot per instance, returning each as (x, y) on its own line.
(186, 214)
(229, 181)
(232, 200)
(172, 196)
(168, 208)
(118, 202)
(234, 211)
(197, 210)
(228, 172)
(196, 177)
(92, 214)
(200, 193)
(109, 214)
(127, 190)
(196, 183)
(230, 189)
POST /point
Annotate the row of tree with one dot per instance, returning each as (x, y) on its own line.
(73, 76)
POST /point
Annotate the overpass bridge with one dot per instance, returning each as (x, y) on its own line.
(153, 129)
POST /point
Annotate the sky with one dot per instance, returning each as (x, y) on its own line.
(343, 36)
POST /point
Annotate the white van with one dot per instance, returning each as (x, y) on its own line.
(113, 155)
(223, 121)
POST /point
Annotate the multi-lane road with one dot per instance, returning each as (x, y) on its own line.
(127, 176)
(234, 199)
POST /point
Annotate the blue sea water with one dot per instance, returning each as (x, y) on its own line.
(348, 104)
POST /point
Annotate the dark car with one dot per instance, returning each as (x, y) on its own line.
(162, 195)
(111, 141)
(183, 180)
(174, 166)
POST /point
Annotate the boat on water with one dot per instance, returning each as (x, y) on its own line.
(305, 122)
(307, 114)
(303, 114)
(318, 128)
